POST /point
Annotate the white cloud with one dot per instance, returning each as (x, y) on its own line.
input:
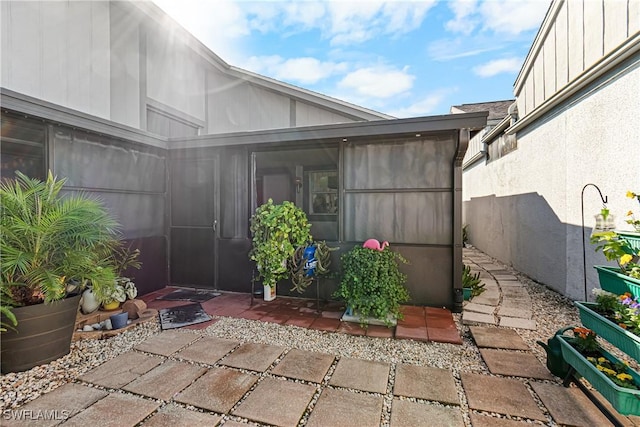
(305, 70)
(513, 17)
(497, 66)
(448, 49)
(463, 11)
(378, 81)
(424, 106)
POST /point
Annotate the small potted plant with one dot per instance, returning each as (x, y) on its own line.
(277, 230)
(471, 284)
(372, 285)
(616, 247)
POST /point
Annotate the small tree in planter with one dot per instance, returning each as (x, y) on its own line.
(372, 284)
(277, 231)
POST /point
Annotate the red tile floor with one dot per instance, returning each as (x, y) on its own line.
(419, 323)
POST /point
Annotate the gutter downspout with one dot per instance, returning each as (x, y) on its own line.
(456, 247)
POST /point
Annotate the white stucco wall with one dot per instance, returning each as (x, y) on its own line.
(524, 208)
(58, 52)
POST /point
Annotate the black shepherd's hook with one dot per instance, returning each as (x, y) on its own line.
(584, 250)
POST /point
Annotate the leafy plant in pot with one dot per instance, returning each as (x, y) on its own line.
(372, 284)
(471, 284)
(277, 230)
(48, 245)
(617, 247)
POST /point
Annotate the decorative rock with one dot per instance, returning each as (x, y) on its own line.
(134, 307)
(87, 328)
(107, 325)
(96, 326)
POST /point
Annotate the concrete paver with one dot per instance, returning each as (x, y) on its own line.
(501, 395)
(115, 410)
(167, 342)
(405, 413)
(304, 365)
(505, 277)
(208, 350)
(62, 403)
(164, 381)
(361, 375)
(424, 382)
(491, 337)
(122, 369)
(173, 415)
(218, 390)
(254, 357)
(478, 420)
(515, 364)
(515, 312)
(276, 402)
(488, 297)
(569, 406)
(344, 408)
(480, 308)
(515, 322)
(469, 317)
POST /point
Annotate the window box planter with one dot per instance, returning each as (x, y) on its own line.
(621, 338)
(626, 401)
(633, 237)
(612, 280)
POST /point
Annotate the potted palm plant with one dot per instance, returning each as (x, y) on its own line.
(277, 230)
(49, 246)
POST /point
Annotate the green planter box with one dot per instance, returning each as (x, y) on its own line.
(632, 237)
(623, 339)
(612, 280)
(624, 400)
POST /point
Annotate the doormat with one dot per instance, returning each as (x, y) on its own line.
(189, 295)
(184, 315)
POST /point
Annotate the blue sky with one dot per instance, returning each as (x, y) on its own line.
(403, 58)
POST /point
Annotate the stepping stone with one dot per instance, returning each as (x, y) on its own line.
(469, 317)
(344, 408)
(71, 398)
(304, 365)
(491, 267)
(501, 395)
(480, 308)
(276, 402)
(505, 277)
(514, 364)
(497, 338)
(478, 420)
(166, 343)
(515, 312)
(488, 297)
(173, 415)
(208, 350)
(515, 322)
(405, 413)
(569, 405)
(218, 390)
(121, 370)
(424, 382)
(115, 410)
(254, 357)
(164, 381)
(511, 284)
(363, 375)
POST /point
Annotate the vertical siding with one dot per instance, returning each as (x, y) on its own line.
(58, 52)
(576, 35)
(309, 115)
(593, 31)
(562, 47)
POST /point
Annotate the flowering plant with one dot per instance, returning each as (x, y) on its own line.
(623, 310)
(635, 223)
(585, 340)
(616, 372)
(616, 247)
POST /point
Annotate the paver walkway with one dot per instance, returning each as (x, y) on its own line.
(180, 378)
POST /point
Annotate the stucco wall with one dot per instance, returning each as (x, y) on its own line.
(524, 208)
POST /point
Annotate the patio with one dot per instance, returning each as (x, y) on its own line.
(239, 371)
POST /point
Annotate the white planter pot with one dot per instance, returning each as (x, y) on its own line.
(89, 302)
(269, 293)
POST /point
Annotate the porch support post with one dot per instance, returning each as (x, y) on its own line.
(456, 247)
